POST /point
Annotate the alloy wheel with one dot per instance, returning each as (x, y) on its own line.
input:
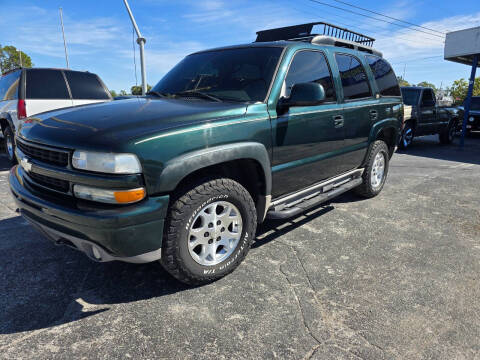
(378, 170)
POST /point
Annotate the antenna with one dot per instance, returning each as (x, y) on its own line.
(64, 41)
(141, 43)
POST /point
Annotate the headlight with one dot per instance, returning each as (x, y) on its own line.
(106, 162)
(109, 196)
(471, 119)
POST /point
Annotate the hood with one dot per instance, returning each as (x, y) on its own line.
(108, 125)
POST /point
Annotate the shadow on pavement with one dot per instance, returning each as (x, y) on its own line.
(4, 163)
(43, 285)
(428, 146)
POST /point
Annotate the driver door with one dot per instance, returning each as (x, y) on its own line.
(307, 138)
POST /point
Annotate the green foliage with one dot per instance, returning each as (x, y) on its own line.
(459, 89)
(10, 58)
(137, 90)
(113, 93)
(123, 93)
(427, 84)
(402, 81)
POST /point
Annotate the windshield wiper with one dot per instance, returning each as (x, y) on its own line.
(157, 93)
(199, 94)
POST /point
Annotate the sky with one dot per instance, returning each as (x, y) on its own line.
(99, 33)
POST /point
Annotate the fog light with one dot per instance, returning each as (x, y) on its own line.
(109, 196)
(471, 119)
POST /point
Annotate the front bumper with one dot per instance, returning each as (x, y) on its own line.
(130, 233)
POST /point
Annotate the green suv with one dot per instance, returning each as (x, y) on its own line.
(228, 138)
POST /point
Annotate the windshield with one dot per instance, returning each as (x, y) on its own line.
(242, 74)
(475, 104)
(410, 96)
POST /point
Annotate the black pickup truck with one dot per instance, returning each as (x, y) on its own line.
(423, 116)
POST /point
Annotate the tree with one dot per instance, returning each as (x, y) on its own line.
(113, 93)
(402, 81)
(10, 58)
(123, 93)
(459, 89)
(137, 90)
(427, 84)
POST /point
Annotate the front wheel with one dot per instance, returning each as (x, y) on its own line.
(10, 145)
(376, 170)
(448, 134)
(209, 231)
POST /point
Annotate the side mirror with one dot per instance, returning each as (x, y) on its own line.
(304, 94)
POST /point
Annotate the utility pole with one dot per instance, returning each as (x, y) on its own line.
(141, 43)
(20, 54)
(64, 41)
(404, 68)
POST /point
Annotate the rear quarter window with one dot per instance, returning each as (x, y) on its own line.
(384, 76)
(46, 84)
(85, 86)
(9, 86)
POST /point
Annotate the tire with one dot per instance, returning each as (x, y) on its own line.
(10, 145)
(373, 180)
(199, 248)
(408, 133)
(448, 134)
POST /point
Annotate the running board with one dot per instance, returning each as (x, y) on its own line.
(297, 203)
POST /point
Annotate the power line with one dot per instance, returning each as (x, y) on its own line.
(374, 18)
(416, 59)
(388, 17)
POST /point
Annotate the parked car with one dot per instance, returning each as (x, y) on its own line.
(227, 138)
(424, 117)
(28, 92)
(473, 121)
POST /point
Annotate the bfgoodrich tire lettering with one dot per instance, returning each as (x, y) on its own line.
(177, 259)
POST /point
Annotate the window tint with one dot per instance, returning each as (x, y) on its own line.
(46, 84)
(310, 66)
(410, 96)
(354, 79)
(85, 86)
(428, 98)
(9, 86)
(384, 76)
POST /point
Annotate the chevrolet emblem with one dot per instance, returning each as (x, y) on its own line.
(26, 164)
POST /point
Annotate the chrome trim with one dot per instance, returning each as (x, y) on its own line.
(356, 172)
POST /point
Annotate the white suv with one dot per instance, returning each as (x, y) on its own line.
(26, 92)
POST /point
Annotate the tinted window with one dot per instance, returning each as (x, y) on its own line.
(85, 86)
(410, 96)
(475, 104)
(310, 66)
(232, 74)
(354, 79)
(384, 76)
(9, 86)
(427, 98)
(46, 84)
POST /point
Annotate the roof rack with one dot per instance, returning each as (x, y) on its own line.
(332, 35)
(304, 31)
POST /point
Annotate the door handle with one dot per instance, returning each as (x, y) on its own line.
(338, 121)
(373, 114)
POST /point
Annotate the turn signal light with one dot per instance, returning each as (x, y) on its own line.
(129, 196)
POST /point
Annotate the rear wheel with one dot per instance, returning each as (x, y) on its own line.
(408, 134)
(376, 170)
(209, 231)
(9, 145)
(448, 134)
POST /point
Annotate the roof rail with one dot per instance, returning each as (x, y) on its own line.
(305, 30)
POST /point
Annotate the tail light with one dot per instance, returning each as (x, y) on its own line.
(21, 109)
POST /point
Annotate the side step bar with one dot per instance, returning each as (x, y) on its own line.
(297, 203)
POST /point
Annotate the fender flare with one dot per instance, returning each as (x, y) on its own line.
(179, 167)
(392, 123)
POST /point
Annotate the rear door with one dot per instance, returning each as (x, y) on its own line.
(86, 88)
(46, 89)
(359, 109)
(306, 139)
(428, 116)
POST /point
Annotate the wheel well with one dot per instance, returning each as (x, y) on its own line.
(247, 172)
(3, 124)
(388, 135)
